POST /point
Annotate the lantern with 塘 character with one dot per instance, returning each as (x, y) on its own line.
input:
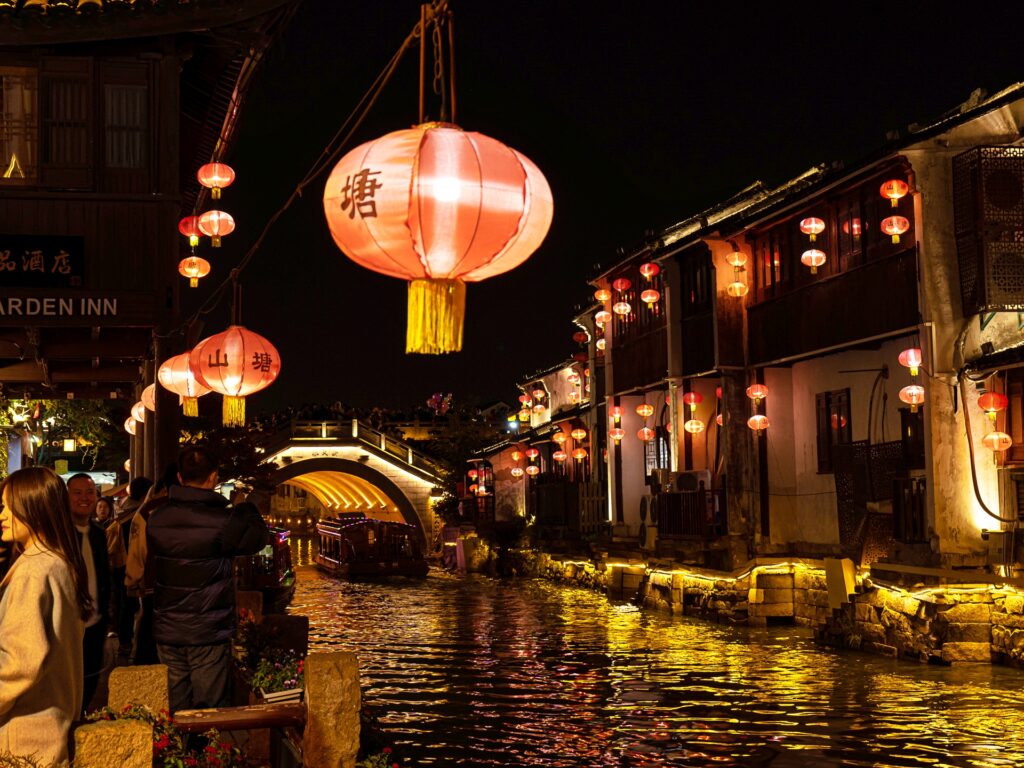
(235, 364)
(175, 374)
(439, 207)
(895, 226)
(216, 176)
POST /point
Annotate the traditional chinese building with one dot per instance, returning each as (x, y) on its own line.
(109, 109)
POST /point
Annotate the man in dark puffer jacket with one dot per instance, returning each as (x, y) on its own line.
(194, 538)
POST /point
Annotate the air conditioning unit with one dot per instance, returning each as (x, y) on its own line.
(691, 481)
(988, 208)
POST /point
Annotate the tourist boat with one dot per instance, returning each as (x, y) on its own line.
(355, 546)
(269, 571)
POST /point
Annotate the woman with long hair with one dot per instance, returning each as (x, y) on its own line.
(44, 599)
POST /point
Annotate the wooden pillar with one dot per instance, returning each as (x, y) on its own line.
(148, 441)
(166, 417)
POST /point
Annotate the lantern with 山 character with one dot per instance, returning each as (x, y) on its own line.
(235, 363)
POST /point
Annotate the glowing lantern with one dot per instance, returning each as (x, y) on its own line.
(645, 410)
(559, 456)
(992, 403)
(668, 428)
(602, 295)
(524, 414)
(913, 396)
(838, 421)
(538, 394)
(895, 226)
(517, 472)
(439, 207)
(580, 357)
(532, 453)
(601, 345)
(524, 399)
(757, 393)
(70, 444)
(645, 433)
(622, 308)
(852, 227)
(694, 426)
(579, 434)
(812, 227)
(533, 470)
(615, 413)
(139, 412)
(579, 454)
(737, 289)
(813, 258)
(516, 455)
(129, 425)
(559, 437)
(622, 284)
(539, 408)
(894, 189)
(193, 267)
(473, 487)
(692, 399)
(736, 259)
(997, 441)
(616, 434)
(650, 297)
(216, 176)
(718, 392)
(176, 375)
(148, 398)
(189, 227)
(235, 363)
(649, 270)
(603, 317)
(472, 474)
(911, 358)
(580, 337)
(127, 465)
(574, 378)
(215, 225)
(718, 419)
(758, 422)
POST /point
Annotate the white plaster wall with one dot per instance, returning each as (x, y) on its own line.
(634, 473)
(509, 493)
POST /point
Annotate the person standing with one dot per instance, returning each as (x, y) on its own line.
(118, 533)
(93, 543)
(45, 598)
(193, 540)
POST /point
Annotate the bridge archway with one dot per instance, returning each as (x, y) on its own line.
(341, 484)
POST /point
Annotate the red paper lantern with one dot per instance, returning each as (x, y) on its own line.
(532, 453)
(911, 358)
(189, 227)
(524, 399)
(517, 472)
(603, 317)
(538, 394)
(895, 226)
(997, 441)
(559, 456)
(473, 487)
(736, 289)
(645, 433)
(813, 258)
(913, 396)
(812, 227)
(578, 434)
(175, 374)
(718, 419)
(579, 454)
(524, 414)
(650, 297)
(838, 421)
(622, 284)
(581, 357)
(649, 270)
(615, 413)
(580, 337)
(235, 363)
(472, 474)
(758, 422)
(533, 470)
(616, 434)
(694, 426)
(602, 295)
(559, 437)
(139, 412)
(894, 189)
(215, 225)
(692, 399)
(718, 392)
(539, 408)
(644, 410)
(757, 393)
(601, 345)
(216, 176)
(193, 267)
(516, 455)
(439, 207)
(992, 403)
(622, 308)
(148, 398)
(736, 259)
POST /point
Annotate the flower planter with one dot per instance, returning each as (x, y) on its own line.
(277, 697)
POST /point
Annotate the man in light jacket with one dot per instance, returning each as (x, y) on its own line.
(193, 541)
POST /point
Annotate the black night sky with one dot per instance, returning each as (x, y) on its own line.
(639, 115)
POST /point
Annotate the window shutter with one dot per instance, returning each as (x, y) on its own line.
(66, 123)
(127, 133)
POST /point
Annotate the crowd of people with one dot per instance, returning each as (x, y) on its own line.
(378, 418)
(154, 571)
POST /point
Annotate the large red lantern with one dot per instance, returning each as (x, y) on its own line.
(895, 226)
(813, 258)
(438, 207)
(193, 267)
(175, 374)
(235, 363)
(215, 225)
(216, 176)
(992, 403)
(189, 227)
(649, 270)
(580, 337)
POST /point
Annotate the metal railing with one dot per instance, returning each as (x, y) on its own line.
(909, 505)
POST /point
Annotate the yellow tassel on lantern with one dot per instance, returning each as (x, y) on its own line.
(190, 406)
(437, 309)
(233, 414)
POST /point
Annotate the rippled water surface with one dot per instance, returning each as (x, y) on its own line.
(471, 671)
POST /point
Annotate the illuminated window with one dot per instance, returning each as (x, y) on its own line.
(19, 125)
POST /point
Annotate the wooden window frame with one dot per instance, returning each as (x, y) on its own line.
(835, 403)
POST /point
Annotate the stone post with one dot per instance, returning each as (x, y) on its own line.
(114, 744)
(143, 685)
(331, 738)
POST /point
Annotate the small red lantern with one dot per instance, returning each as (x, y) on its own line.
(533, 470)
(693, 399)
(193, 267)
(997, 441)
(539, 408)
(616, 434)
(758, 422)
(894, 189)
(602, 295)
(516, 455)
(524, 399)
(644, 410)
(911, 358)
(992, 403)
(622, 284)
(736, 259)
(601, 345)
(189, 227)
(524, 414)
(649, 270)
(473, 487)
(532, 453)
(615, 413)
(148, 397)
(559, 437)
(895, 226)
(472, 474)
(578, 434)
(176, 375)
(235, 363)
(579, 454)
(812, 227)
(215, 225)
(718, 419)
(694, 426)
(645, 433)
(538, 394)
(852, 227)
(718, 392)
(757, 393)
(650, 297)
(559, 456)
(813, 258)
(913, 396)
(622, 308)
(129, 425)
(517, 472)
(603, 317)
(216, 176)
(580, 337)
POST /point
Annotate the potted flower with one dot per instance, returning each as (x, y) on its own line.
(279, 677)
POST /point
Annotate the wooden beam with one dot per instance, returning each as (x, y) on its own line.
(17, 373)
(105, 373)
(241, 718)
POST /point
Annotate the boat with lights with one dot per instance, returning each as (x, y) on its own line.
(355, 546)
(269, 571)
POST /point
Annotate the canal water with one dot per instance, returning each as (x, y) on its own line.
(473, 671)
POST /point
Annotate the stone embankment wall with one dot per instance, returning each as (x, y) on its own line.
(936, 624)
